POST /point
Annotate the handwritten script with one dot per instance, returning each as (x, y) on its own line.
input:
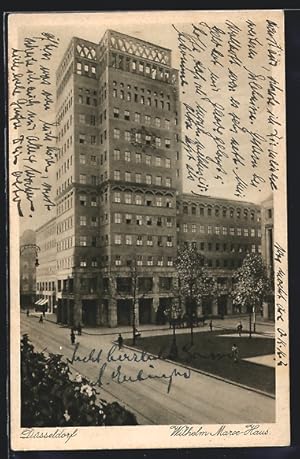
(32, 137)
(232, 96)
(281, 311)
(109, 372)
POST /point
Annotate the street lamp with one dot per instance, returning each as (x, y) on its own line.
(30, 247)
(174, 314)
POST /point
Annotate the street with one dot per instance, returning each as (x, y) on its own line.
(193, 398)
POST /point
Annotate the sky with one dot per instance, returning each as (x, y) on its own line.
(92, 27)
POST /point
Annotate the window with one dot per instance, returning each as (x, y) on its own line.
(137, 117)
(194, 228)
(202, 229)
(138, 137)
(93, 159)
(138, 178)
(128, 239)
(239, 231)
(217, 212)
(138, 157)
(82, 138)
(157, 122)
(128, 219)
(209, 211)
(170, 261)
(159, 201)
(224, 230)
(209, 246)
(217, 230)
(128, 198)
(148, 160)
(231, 231)
(148, 220)
(169, 241)
(217, 247)
(185, 228)
(82, 199)
(194, 210)
(167, 124)
(82, 179)
(201, 211)
(259, 248)
(116, 133)
(94, 179)
(269, 213)
(83, 241)
(150, 240)
(118, 218)
(82, 220)
(117, 175)
(147, 120)
(238, 213)
(159, 241)
(139, 260)
(169, 222)
(117, 196)
(138, 199)
(246, 232)
(78, 68)
(116, 154)
(126, 115)
(122, 95)
(118, 260)
(94, 263)
(94, 221)
(160, 261)
(168, 182)
(159, 221)
(128, 176)
(158, 161)
(139, 240)
(252, 216)
(253, 248)
(81, 118)
(158, 181)
(138, 220)
(83, 263)
(118, 239)
(209, 229)
(150, 261)
(167, 143)
(148, 139)
(252, 232)
(245, 214)
(93, 201)
(201, 245)
(157, 142)
(168, 203)
(168, 163)
(127, 136)
(148, 179)
(116, 113)
(258, 233)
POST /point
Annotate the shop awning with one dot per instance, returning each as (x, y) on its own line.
(38, 302)
(44, 301)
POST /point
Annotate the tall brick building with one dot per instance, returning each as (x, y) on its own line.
(120, 203)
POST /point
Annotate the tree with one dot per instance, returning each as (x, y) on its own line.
(251, 284)
(51, 397)
(129, 285)
(194, 281)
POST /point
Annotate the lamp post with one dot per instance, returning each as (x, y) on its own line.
(174, 314)
(36, 248)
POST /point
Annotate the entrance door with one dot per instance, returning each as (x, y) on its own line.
(222, 305)
(145, 306)
(207, 307)
(124, 312)
(89, 312)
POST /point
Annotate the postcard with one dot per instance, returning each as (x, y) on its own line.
(148, 230)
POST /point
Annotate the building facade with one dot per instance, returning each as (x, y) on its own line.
(46, 271)
(267, 228)
(27, 269)
(121, 213)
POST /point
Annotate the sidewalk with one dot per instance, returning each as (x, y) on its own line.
(229, 322)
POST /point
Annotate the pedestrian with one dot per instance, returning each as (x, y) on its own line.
(210, 325)
(44, 314)
(235, 353)
(41, 319)
(120, 341)
(79, 329)
(137, 334)
(27, 312)
(72, 336)
(239, 328)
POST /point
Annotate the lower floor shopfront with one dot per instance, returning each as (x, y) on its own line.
(150, 309)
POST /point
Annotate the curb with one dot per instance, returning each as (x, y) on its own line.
(211, 375)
